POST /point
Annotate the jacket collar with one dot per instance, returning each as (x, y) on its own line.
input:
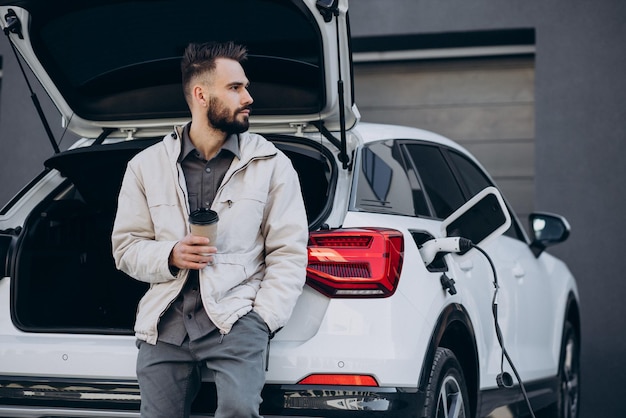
(250, 145)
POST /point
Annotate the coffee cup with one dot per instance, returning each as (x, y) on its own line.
(203, 223)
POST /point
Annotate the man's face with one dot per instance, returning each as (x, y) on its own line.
(229, 100)
(225, 119)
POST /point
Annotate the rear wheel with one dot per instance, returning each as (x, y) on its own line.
(446, 392)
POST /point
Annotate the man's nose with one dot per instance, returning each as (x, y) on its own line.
(247, 98)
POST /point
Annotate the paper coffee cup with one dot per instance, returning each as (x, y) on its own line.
(203, 223)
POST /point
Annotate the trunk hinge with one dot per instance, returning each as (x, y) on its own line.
(14, 25)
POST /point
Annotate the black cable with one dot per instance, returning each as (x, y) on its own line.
(494, 305)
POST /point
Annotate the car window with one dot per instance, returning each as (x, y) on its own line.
(385, 185)
(470, 176)
(418, 179)
(442, 189)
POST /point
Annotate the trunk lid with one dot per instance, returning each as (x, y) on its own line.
(116, 63)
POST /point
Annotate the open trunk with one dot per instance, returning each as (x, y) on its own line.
(64, 277)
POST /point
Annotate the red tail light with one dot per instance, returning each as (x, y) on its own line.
(352, 263)
(339, 380)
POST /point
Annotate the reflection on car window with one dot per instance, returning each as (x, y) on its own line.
(442, 189)
(473, 179)
(385, 185)
(377, 173)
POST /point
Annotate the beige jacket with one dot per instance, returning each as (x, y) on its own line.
(262, 235)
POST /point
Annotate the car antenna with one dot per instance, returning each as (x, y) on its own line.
(330, 9)
(13, 25)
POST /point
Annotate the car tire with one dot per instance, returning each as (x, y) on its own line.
(568, 400)
(446, 392)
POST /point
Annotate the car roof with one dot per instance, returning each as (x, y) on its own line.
(369, 132)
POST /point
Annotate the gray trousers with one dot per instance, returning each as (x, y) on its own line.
(170, 376)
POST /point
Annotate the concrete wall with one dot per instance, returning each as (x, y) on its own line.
(580, 104)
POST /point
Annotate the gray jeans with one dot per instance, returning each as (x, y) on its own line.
(170, 376)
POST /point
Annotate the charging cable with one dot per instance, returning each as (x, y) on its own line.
(460, 245)
(503, 379)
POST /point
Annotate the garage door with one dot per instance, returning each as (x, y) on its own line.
(486, 104)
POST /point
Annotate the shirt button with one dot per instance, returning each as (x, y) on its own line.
(208, 169)
(188, 316)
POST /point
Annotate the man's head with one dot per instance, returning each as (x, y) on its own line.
(215, 85)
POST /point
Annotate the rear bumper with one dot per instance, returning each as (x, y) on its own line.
(73, 398)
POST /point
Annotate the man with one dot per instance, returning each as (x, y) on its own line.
(210, 303)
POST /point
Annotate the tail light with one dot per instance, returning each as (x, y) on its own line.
(339, 380)
(352, 263)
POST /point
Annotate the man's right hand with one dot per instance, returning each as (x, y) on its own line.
(192, 252)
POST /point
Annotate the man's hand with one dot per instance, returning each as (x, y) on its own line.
(192, 252)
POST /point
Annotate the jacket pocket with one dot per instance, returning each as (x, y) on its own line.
(241, 219)
(232, 274)
(167, 216)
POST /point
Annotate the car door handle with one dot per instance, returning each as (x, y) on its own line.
(466, 265)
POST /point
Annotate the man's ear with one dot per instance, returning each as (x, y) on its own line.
(199, 95)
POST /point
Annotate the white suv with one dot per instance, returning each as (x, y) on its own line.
(425, 296)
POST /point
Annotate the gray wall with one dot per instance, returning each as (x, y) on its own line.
(580, 101)
(486, 104)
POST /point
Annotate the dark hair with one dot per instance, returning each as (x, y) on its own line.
(199, 58)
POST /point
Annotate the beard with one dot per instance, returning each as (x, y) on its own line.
(223, 119)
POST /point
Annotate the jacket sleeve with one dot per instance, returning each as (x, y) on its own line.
(135, 248)
(286, 235)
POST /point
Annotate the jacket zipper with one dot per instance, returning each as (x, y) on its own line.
(227, 180)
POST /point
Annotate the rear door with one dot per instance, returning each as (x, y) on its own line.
(524, 299)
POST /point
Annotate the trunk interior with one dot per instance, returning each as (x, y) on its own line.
(65, 278)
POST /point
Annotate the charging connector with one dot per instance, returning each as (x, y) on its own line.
(431, 248)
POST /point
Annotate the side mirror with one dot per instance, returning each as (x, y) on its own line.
(547, 229)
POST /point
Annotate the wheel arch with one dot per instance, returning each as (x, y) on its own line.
(572, 312)
(572, 315)
(454, 331)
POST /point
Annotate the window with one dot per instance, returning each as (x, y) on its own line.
(385, 185)
(443, 191)
(472, 178)
(405, 177)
